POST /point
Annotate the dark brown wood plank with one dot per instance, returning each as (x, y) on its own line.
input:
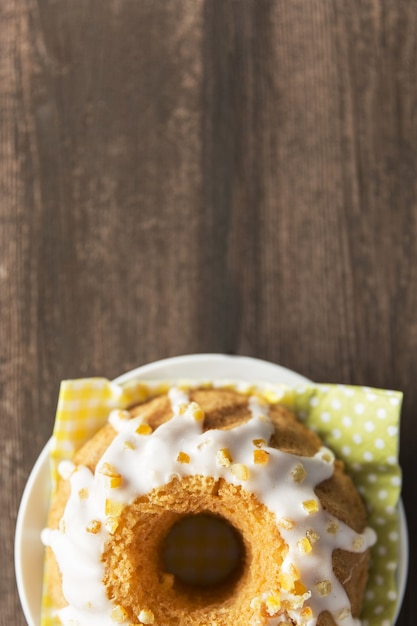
(198, 176)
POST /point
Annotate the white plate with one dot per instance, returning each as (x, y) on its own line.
(34, 505)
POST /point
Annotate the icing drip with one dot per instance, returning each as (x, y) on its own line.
(178, 398)
(138, 461)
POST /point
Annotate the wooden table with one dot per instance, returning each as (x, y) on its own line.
(230, 176)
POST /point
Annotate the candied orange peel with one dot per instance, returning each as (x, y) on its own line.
(240, 471)
(224, 457)
(183, 457)
(260, 457)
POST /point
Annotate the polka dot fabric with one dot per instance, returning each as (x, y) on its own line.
(361, 426)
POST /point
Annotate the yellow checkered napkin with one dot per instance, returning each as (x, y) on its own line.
(359, 424)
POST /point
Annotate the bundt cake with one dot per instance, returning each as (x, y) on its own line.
(281, 531)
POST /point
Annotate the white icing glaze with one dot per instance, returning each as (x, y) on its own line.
(65, 469)
(149, 461)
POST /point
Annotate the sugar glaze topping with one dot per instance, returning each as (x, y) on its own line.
(139, 460)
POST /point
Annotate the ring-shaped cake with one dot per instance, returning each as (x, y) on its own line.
(302, 542)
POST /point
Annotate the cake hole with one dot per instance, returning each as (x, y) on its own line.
(203, 551)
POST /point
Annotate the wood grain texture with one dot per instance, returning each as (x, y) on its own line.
(204, 176)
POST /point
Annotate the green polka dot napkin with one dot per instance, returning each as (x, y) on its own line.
(361, 426)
